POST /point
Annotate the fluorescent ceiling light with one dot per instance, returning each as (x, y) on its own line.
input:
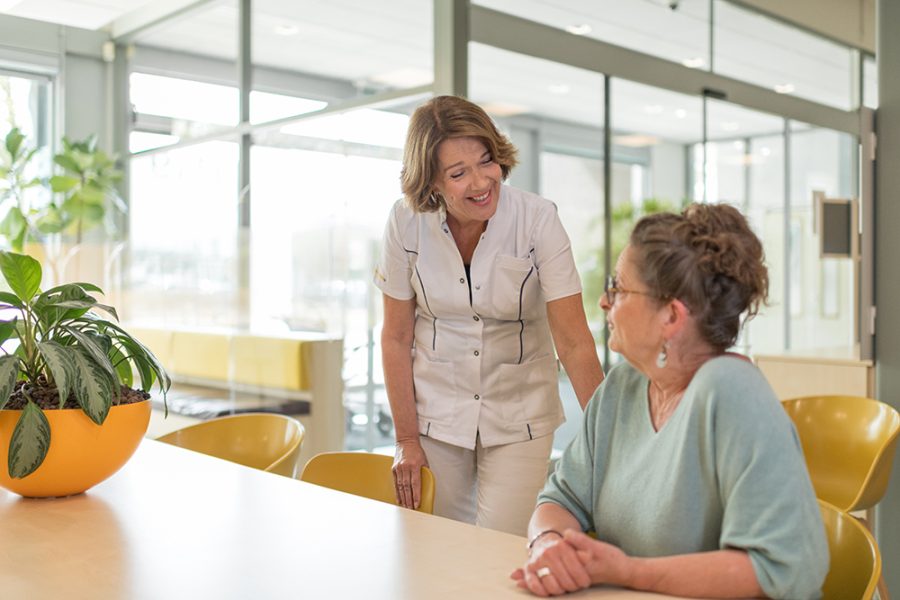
(694, 62)
(286, 29)
(582, 29)
(635, 140)
(403, 78)
(784, 88)
(503, 109)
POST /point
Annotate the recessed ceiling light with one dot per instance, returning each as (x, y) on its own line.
(694, 62)
(653, 109)
(559, 88)
(784, 88)
(730, 126)
(635, 140)
(582, 29)
(680, 113)
(504, 109)
(287, 29)
(765, 151)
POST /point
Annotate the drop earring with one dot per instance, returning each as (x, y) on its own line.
(663, 357)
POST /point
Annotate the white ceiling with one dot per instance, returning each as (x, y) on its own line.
(388, 43)
(87, 14)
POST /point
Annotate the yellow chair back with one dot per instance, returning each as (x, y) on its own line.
(855, 559)
(363, 474)
(849, 444)
(266, 441)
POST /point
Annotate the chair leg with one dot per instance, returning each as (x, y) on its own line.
(881, 589)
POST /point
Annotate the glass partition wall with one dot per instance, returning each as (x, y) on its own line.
(329, 99)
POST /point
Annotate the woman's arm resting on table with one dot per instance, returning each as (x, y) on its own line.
(716, 574)
(396, 353)
(549, 552)
(575, 345)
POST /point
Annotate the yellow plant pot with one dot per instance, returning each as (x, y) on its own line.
(81, 454)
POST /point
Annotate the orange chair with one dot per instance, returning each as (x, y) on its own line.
(362, 474)
(266, 441)
(855, 560)
(849, 444)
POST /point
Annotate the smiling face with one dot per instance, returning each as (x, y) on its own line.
(468, 179)
(635, 329)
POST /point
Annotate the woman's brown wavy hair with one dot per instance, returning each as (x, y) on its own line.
(439, 119)
(710, 259)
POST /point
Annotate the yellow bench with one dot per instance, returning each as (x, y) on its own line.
(299, 367)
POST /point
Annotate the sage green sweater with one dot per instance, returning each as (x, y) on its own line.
(725, 471)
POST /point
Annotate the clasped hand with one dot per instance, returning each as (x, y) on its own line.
(571, 563)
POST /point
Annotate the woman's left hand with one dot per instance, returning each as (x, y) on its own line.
(553, 568)
(604, 562)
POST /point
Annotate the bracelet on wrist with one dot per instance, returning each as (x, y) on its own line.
(541, 534)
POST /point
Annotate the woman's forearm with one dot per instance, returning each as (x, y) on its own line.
(551, 517)
(398, 382)
(717, 574)
(583, 368)
(575, 345)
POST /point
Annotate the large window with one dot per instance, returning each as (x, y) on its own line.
(25, 103)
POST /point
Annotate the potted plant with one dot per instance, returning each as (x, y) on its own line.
(84, 198)
(72, 371)
(16, 178)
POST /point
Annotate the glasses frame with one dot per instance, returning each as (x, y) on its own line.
(611, 290)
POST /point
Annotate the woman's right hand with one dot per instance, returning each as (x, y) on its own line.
(409, 458)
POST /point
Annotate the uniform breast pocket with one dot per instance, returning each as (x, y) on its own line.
(514, 288)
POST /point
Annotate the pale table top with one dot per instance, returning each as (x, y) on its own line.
(176, 524)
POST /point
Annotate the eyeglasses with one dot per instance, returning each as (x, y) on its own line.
(611, 289)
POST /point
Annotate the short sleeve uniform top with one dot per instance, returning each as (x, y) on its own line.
(483, 360)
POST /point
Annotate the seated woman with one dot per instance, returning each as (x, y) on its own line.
(687, 467)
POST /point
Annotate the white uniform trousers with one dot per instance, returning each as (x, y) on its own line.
(492, 487)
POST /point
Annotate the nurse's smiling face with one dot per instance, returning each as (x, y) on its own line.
(468, 179)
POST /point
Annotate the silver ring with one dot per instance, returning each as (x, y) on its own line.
(543, 572)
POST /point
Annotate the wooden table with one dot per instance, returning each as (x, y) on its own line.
(176, 524)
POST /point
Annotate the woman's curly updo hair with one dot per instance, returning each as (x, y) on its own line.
(439, 119)
(710, 259)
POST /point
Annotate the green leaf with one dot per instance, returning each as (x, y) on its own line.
(22, 273)
(87, 287)
(123, 367)
(9, 372)
(14, 141)
(10, 299)
(94, 351)
(7, 330)
(61, 365)
(62, 183)
(13, 223)
(93, 388)
(67, 163)
(52, 221)
(30, 442)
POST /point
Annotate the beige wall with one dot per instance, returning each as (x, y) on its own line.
(848, 21)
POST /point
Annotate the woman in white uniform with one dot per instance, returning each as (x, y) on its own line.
(479, 284)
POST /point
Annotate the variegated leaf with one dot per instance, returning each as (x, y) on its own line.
(9, 370)
(61, 365)
(93, 386)
(30, 442)
(96, 353)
